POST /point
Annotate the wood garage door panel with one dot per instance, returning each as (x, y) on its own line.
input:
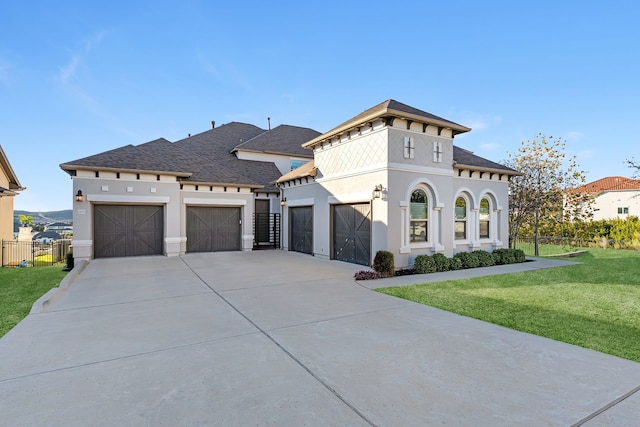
(301, 234)
(352, 233)
(213, 229)
(127, 230)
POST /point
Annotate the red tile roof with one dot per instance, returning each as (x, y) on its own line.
(610, 183)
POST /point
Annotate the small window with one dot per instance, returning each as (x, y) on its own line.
(485, 217)
(437, 152)
(418, 217)
(409, 147)
(461, 219)
(623, 210)
(295, 164)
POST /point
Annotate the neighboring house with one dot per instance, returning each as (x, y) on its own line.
(613, 197)
(390, 178)
(59, 227)
(46, 237)
(9, 187)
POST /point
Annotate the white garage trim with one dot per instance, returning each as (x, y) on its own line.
(361, 197)
(300, 202)
(216, 202)
(112, 198)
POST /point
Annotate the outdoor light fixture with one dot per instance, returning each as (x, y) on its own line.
(283, 202)
(79, 196)
(377, 191)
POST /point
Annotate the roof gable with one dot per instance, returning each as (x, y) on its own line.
(5, 166)
(284, 139)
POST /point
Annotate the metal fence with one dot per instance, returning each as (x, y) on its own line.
(527, 243)
(34, 254)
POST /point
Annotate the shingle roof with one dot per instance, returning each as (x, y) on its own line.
(203, 158)
(463, 157)
(610, 183)
(284, 139)
(154, 156)
(47, 235)
(392, 108)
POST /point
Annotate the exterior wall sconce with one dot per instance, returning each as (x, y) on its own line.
(377, 191)
(79, 196)
(283, 202)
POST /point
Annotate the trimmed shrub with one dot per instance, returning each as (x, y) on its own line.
(468, 259)
(484, 258)
(69, 265)
(508, 256)
(383, 263)
(455, 264)
(503, 256)
(441, 262)
(424, 264)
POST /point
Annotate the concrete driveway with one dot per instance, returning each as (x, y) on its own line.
(273, 338)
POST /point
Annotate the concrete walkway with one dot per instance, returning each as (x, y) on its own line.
(273, 338)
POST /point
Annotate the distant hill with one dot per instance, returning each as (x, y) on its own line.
(47, 217)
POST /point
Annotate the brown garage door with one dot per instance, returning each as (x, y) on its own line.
(213, 229)
(352, 233)
(301, 229)
(124, 230)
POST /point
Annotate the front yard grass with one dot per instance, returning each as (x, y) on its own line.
(594, 305)
(20, 288)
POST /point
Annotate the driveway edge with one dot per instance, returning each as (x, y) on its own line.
(44, 301)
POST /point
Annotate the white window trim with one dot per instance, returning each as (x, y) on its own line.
(409, 147)
(437, 152)
(467, 220)
(492, 215)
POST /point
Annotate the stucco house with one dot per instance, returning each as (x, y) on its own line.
(389, 178)
(9, 187)
(613, 197)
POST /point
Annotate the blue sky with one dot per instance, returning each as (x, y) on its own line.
(77, 79)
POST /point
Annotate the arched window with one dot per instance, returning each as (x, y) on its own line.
(461, 219)
(418, 217)
(484, 218)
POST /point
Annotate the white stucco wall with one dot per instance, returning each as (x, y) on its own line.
(350, 168)
(107, 189)
(606, 205)
(282, 162)
(217, 196)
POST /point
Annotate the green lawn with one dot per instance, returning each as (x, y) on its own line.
(547, 250)
(594, 305)
(20, 288)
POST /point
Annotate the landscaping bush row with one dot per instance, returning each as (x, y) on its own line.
(438, 262)
(384, 265)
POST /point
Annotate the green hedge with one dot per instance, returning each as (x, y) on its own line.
(479, 258)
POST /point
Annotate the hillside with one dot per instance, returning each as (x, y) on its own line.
(47, 217)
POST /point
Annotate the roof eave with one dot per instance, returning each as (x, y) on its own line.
(13, 178)
(222, 184)
(310, 156)
(456, 128)
(69, 168)
(486, 169)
